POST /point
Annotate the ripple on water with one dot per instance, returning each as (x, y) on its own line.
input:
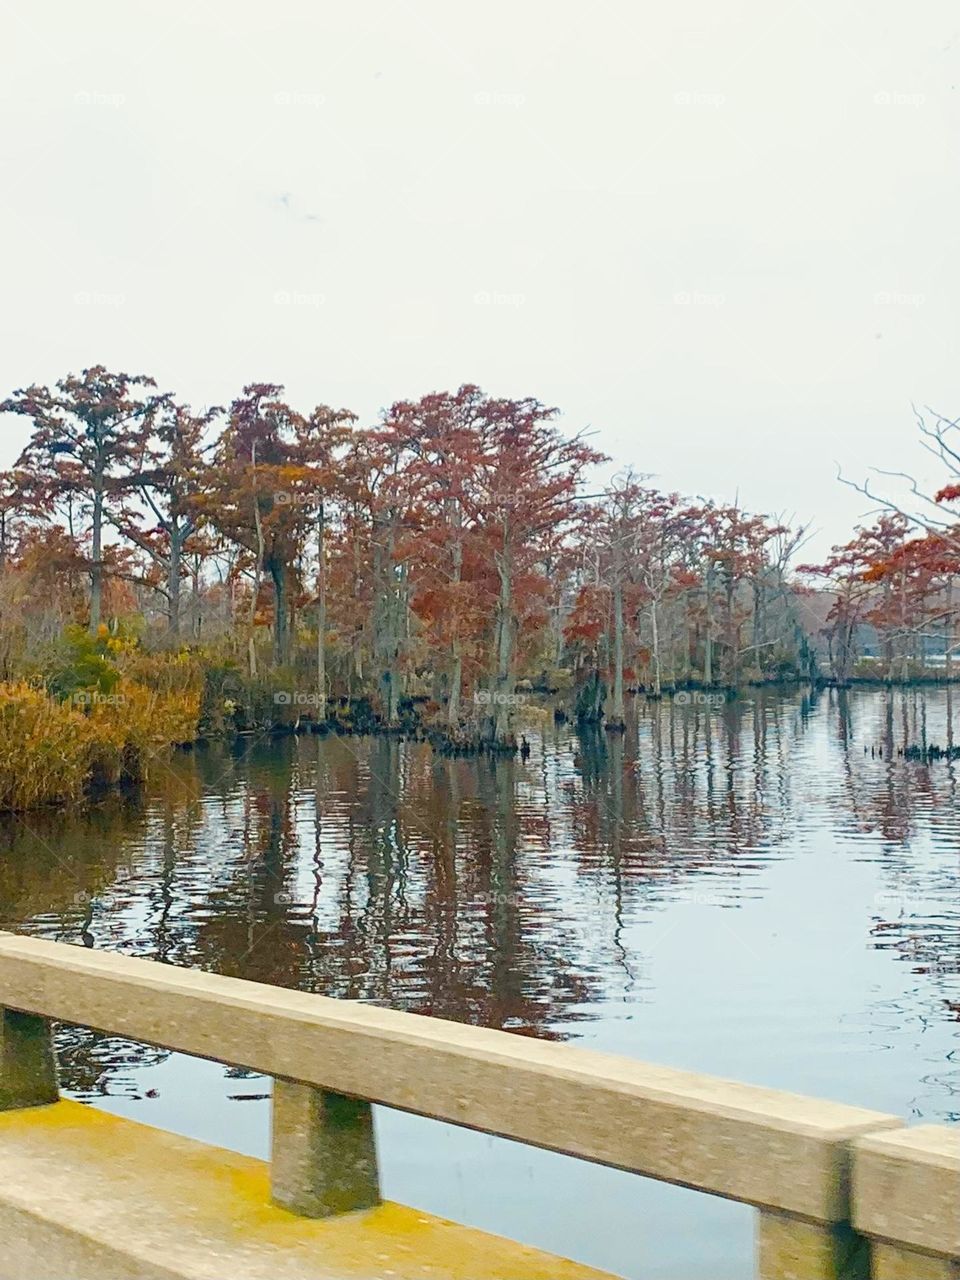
(754, 892)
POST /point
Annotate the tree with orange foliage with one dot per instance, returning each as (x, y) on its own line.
(936, 514)
(734, 547)
(442, 434)
(528, 480)
(86, 444)
(169, 484)
(874, 580)
(264, 490)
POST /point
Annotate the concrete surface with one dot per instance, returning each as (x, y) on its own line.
(88, 1196)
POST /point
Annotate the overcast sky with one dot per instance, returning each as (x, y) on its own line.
(722, 233)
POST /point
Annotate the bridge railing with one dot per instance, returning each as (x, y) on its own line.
(821, 1174)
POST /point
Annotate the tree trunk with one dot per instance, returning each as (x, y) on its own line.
(708, 643)
(258, 572)
(904, 632)
(502, 690)
(655, 640)
(948, 636)
(173, 587)
(388, 695)
(281, 615)
(321, 617)
(759, 623)
(617, 709)
(96, 566)
(196, 606)
(887, 635)
(456, 679)
(386, 610)
(730, 632)
(456, 657)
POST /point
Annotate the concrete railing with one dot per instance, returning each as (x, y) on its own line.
(825, 1177)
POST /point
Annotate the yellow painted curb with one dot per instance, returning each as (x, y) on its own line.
(176, 1207)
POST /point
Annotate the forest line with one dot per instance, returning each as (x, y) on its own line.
(460, 545)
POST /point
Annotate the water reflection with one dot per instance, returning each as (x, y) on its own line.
(526, 895)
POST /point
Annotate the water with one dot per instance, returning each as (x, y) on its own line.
(741, 891)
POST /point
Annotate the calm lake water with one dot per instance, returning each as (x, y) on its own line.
(746, 890)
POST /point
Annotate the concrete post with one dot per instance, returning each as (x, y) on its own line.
(890, 1262)
(324, 1159)
(791, 1248)
(28, 1069)
(906, 1199)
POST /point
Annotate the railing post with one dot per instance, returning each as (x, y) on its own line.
(791, 1248)
(906, 1200)
(890, 1262)
(28, 1069)
(324, 1158)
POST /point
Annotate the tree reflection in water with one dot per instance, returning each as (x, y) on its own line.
(499, 893)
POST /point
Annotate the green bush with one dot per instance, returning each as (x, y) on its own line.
(81, 663)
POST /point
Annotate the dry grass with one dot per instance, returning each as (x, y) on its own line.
(52, 751)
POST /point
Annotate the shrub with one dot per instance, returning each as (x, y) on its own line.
(81, 663)
(45, 749)
(234, 701)
(50, 750)
(136, 726)
(165, 672)
(221, 696)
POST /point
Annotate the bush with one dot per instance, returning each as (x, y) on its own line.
(79, 663)
(45, 749)
(52, 750)
(221, 698)
(166, 672)
(137, 725)
(233, 701)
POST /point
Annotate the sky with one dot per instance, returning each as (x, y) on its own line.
(720, 236)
